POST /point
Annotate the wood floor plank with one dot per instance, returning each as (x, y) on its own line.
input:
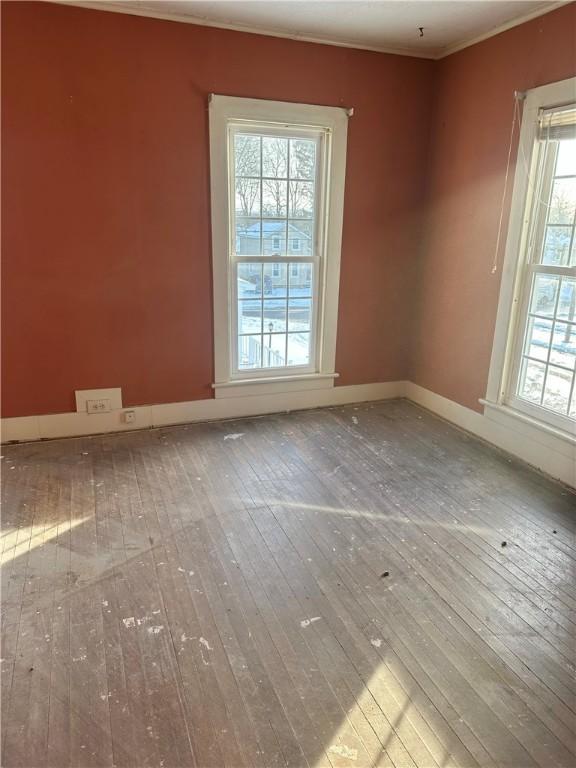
(213, 596)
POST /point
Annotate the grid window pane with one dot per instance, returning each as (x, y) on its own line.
(274, 197)
(274, 350)
(275, 280)
(274, 157)
(557, 389)
(563, 349)
(246, 155)
(274, 315)
(538, 338)
(563, 203)
(532, 381)
(247, 197)
(544, 295)
(274, 217)
(557, 245)
(247, 236)
(249, 352)
(298, 348)
(302, 159)
(301, 283)
(299, 314)
(301, 199)
(567, 301)
(300, 237)
(250, 316)
(249, 280)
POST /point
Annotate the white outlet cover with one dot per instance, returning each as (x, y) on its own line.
(114, 395)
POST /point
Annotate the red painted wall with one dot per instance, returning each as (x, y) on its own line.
(473, 103)
(106, 237)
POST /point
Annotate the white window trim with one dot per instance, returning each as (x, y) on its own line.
(498, 397)
(334, 119)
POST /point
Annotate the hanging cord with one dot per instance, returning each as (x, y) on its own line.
(518, 96)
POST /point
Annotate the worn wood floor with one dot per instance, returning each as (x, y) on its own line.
(326, 588)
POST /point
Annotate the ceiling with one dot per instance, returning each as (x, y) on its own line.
(382, 25)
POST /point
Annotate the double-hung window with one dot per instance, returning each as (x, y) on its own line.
(538, 375)
(277, 177)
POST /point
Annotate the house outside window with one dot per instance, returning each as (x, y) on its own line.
(274, 176)
(533, 368)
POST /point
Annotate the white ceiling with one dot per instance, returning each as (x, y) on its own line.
(383, 25)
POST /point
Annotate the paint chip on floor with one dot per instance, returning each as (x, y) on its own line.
(344, 751)
(205, 643)
(376, 642)
(307, 622)
(234, 436)
(129, 622)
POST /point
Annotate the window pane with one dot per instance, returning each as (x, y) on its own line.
(556, 245)
(567, 302)
(563, 202)
(299, 314)
(274, 315)
(247, 155)
(249, 352)
(544, 295)
(563, 350)
(247, 236)
(274, 350)
(301, 285)
(249, 280)
(557, 390)
(302, 159)
(303, 232)
(275, 157)
(247, 197)
(301, 202)
(274, 197)
(275, 280)
(298, 348)
(274, 237)
(249, 316)
(538, 336)
(566, 162)
(532, 381)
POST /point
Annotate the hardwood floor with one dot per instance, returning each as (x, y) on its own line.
(326, 588)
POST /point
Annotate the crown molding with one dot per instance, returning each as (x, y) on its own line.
(548, 8)
(132, 9)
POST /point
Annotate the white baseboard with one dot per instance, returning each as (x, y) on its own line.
(47, 426)
(543, 450)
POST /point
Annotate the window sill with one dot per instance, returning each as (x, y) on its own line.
(500, 413)
(274, 385)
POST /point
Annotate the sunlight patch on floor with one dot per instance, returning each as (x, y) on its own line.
(17, 542)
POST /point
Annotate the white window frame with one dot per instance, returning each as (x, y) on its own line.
(514, 289)
(224, 112)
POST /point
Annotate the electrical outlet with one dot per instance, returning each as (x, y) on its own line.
(98, 406)
(129, 417)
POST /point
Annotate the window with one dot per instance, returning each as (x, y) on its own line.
(273, 298)
(540, 379)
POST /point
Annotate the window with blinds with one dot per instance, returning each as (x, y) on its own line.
(543, 380)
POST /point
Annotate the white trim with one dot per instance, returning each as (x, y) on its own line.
(48, 426)
(271, 385)
(133, 10)
(333, 122)
(544, 450)
(547, 7)
(508, 318)
(553, 453)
